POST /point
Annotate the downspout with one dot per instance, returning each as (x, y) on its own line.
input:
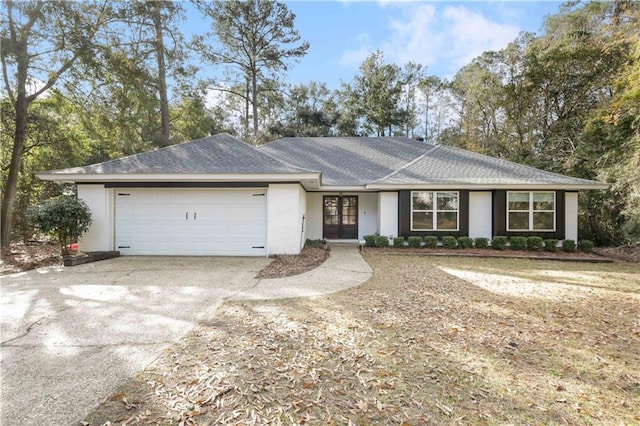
(302, 231)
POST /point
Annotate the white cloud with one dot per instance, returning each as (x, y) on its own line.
(354, 57)
(435, 35)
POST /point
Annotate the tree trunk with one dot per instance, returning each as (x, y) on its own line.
(162, 76)
(246, 110)
(11, 187)
(254, 99)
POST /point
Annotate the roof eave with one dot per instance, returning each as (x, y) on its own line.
(311, 180)
(488, 187)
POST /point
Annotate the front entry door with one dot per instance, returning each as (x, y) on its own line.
(340, 217)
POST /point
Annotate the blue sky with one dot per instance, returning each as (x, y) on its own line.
(442, 35)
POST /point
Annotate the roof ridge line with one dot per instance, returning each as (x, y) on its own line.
(409, 164)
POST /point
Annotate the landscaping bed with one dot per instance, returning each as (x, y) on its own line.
(428, 340)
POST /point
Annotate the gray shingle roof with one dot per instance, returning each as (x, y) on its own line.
(449, 165)
(347, 161)
(221, 153)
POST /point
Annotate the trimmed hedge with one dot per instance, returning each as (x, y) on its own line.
(535, 243)
(586, 246)
(430, 241)
(518, 243)
(550, 244)
(569, 246)
(499, 242)
(370, 240)
(382, 241)
(449, 242)
(415, 241)
(481, 242)
(398, 242)
(465, 242)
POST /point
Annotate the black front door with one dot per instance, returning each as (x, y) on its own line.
(340, 217)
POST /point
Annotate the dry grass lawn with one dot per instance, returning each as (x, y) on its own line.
(425, 341)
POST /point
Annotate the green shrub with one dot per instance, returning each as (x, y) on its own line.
(64, 217)
(382, 241)
(585, 246)
(518, 243)
(481, 242)
(370, 240)
(535, 243)
(431, 241)
(569, 246)
(415, 241)
(499, 242)
(314, 243)
(550, 244)
(449, 242)
(465, 242)
(398, 242)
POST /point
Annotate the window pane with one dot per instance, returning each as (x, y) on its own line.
(422, 201)
(447, 201)
(422, 220)
(448, 220)
(518, 201)
(543, 200)
(543, 221)
(519, 220)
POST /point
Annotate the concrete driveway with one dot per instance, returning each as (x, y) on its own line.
(70, 336)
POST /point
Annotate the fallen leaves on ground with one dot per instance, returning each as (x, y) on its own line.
(20, 257)
(289, 265)
(414, 345)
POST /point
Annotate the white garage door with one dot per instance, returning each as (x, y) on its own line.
(180, 221)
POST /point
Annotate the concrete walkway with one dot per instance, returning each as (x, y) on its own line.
(343, 269)
(70, 336)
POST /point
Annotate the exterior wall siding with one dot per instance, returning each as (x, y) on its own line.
(284, 219)
(500, 217)
(388, 213)
(100, 236)
(404, 216)
(571, 216)
(480, 213)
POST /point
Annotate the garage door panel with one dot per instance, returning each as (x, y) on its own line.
(192, 222)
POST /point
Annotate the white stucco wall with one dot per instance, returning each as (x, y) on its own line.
(480, 214)
(367, 213)
(284, 218)
(388, 214)
(571, 216)
(100, 236)
(314, 215)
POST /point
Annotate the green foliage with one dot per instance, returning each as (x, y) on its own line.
(481, 242)
(465, 242)
(518, 243)
(551, 244)
(449, 242)
(569, 246)
(398, 242)
(431, 241)
(64, 217)
(415, 241)
(499, 242)
(382, 241)
(314, 243)
(535, 243)
(370, 240)
(586, 246)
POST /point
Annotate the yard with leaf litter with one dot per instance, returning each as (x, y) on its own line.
(425, 341)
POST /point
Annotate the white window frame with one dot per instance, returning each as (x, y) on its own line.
(435, 211)
(531, 211)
